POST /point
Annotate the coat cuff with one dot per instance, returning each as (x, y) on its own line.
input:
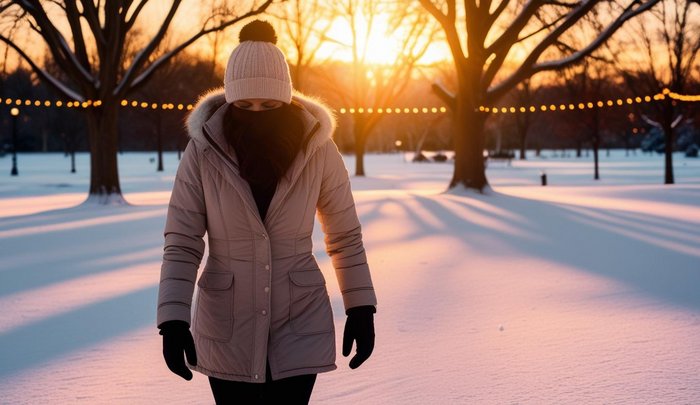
(173, 312)
(359, 297)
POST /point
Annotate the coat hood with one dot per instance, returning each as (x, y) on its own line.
(211, 102)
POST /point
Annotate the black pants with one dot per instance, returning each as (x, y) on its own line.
(292, 390)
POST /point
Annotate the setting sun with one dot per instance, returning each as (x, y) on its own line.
(381, 46)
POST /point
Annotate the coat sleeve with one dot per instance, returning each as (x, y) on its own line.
(343, 234)
(185, 227)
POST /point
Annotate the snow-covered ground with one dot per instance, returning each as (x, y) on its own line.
(579, 292)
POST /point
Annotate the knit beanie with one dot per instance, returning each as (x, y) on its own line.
(257, 68)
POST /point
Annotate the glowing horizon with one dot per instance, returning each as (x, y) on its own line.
(380, 49)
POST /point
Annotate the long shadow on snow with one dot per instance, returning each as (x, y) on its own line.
(592, 240)
(40, 342)
(42, 258)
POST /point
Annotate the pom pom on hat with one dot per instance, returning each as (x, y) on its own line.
(258, 30)
(257, 68)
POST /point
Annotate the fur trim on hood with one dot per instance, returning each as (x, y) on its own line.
(211, 101)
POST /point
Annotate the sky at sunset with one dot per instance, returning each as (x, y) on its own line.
(383, 46)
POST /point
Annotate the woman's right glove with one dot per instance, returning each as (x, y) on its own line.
(176, 340)
(359, 327)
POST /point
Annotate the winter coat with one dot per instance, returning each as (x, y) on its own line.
(261, 296)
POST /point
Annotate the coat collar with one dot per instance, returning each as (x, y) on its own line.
(205, 125)
(210, 110)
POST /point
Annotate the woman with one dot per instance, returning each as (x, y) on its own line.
(259, 165)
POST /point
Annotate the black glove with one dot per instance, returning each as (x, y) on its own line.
(359, 326)
(176, 339)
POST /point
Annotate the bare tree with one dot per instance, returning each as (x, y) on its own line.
(375, 86)
(492, 32)
(216, 10)
(305, 25)
(524, 96)
(91, 53)
(587, 82)
(669, 39)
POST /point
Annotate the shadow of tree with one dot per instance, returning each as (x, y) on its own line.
(632, 248)
(72, 243)
(42, 341)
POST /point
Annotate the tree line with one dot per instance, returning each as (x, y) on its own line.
(498, 49)
(63, 129)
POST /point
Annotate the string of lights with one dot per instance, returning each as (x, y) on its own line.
(598, 104)
(93, 103)
(390, 110)
(387, 110)
(572, 106)
(682, 97)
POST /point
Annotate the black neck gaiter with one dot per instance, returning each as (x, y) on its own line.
(266, 143)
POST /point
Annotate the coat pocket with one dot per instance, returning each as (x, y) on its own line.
(309, 308)
(215, 306)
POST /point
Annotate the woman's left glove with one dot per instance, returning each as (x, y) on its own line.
(176, 340)
(359, 326)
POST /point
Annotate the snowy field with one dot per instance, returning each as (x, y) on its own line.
(580, 292)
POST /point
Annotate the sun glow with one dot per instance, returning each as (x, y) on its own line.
(382, 46)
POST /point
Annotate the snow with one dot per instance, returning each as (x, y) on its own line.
(577, 292)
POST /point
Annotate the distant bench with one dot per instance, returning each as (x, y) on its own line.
(502, 156)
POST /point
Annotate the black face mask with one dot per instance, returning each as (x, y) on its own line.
(266, 142)
(264, 121)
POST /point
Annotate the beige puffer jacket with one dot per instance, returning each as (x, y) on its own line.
(261, 294)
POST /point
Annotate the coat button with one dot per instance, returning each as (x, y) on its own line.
(267, 267)
(264, 236)
(267, 289)
(255, 376)
(264, 312)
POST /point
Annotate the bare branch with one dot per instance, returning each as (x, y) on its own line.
(497, 12)
(529, 67)
(541, 29)
(561, 3)
(143, 56)
(92, 17)
(73, 17)
(447, 22)
(446, 96)
(650, 121)
(134, 15)
(677, 121)
(6, 6)
(43, 74)
(505, 41)
(58, 46)
(497, 63)
(126, 85)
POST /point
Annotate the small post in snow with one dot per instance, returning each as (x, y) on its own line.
(14, 112)
(398, 144)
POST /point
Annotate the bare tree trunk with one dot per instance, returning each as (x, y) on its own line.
(668, 127)
(102, 137)
(595, 141)
(360, 136)
(159, 140)
(522, 134)
(469, 168)
(596, 146)
(668, 149)
(160, 150)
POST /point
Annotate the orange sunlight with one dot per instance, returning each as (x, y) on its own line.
(381, 47)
